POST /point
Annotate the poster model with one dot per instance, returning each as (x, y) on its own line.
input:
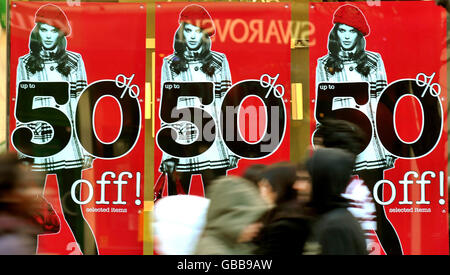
(222, 91)
(381, 68)
(76, 101)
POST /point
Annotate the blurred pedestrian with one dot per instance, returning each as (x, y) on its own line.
(24, 214)
(334, 133)
(337, 231)
(302, 184)
(178, 223)
(232, 218)
(286, 227)
(337, 133)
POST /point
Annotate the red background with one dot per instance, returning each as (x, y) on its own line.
(411, 38)
(247, 60)
(111, 39)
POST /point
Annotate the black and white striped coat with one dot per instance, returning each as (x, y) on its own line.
(72, 155)
(217, 156)
(374, 156)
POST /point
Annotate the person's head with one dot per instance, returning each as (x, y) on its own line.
(347, 38)
(193, 36)
(47, 37)
(348, 32)
(350, 27)
(198, 16)
(302, 183)
(49, 34)
(234, 205)
(51, 27)
(196, 28)
(193, 39)
(330, 170)
(254, 173)
(335, 133)
(276, 185)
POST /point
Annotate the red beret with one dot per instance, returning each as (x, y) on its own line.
(52, 15)
(353, 17)
(196, 15)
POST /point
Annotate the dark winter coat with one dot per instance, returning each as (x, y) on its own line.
(286, 230)
(337, 231)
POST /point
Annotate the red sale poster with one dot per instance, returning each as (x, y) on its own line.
(222, 91)
(382, 67)
(76, 112)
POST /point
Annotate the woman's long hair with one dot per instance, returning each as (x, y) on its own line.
(35, 63)
(179, 63)
(334, 62)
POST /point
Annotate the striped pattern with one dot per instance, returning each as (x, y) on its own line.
(374, 156)
(217, 156)
(72, 155)
(362, 206)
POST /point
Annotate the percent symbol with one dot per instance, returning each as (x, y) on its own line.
(428, 86)
(121, 82)
(271, 81)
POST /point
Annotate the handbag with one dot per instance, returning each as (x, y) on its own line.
(159, 186)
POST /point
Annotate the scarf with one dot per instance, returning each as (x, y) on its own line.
(193, 55)
(48, 55)
(347, 55)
